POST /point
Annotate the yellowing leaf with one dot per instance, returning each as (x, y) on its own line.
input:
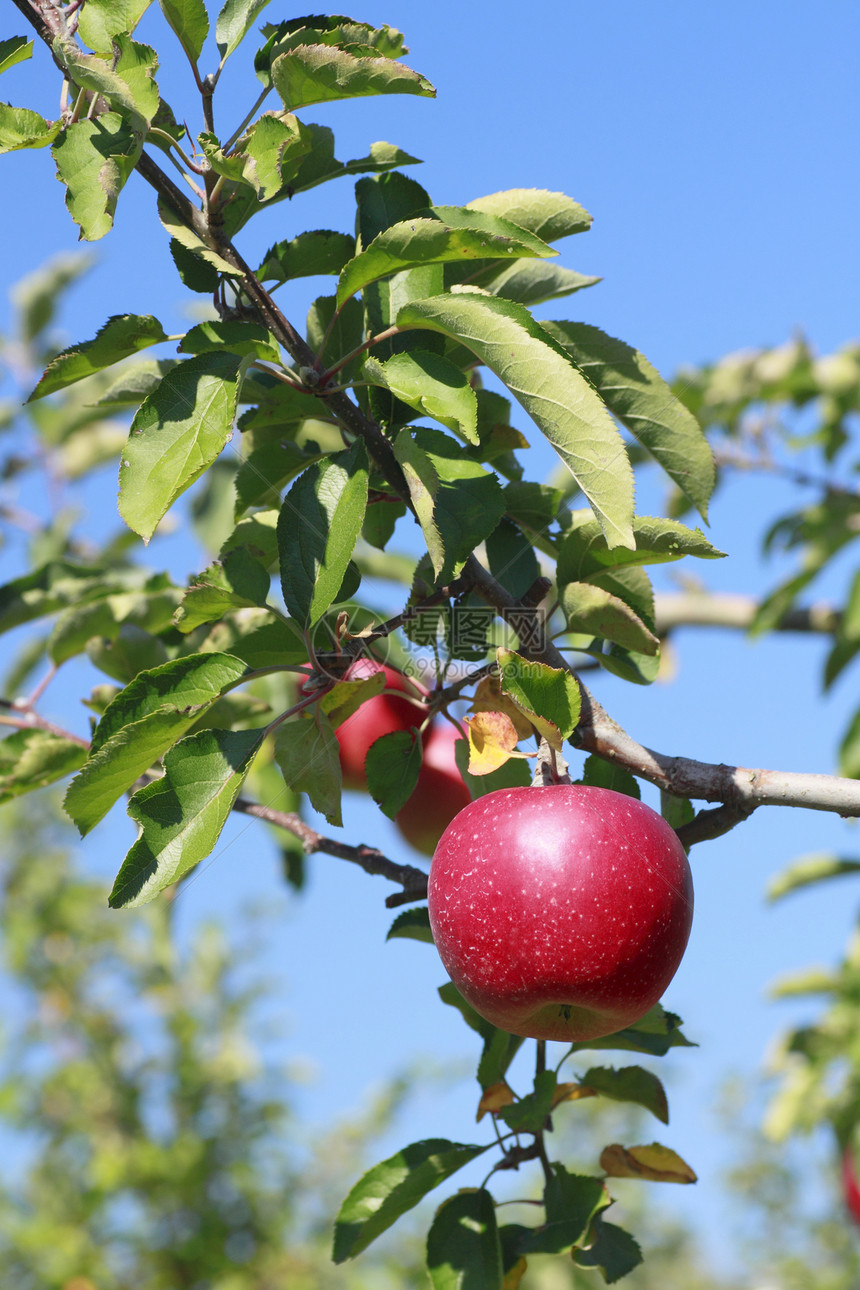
(492, 739)
(494, 1098)
(490, 697)
(514, 1275)
(654, 1163)
(571, 1093)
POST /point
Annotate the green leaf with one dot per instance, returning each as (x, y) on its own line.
(272, 149)
(819, 866)
(638, 396)
(182, 814)
(391, 1188)
(340, 335)
(177, 432)
(94, 159)
(457, 501)
(531, 283)
(420, 241)
(432, 386)
(308, 754)
(529, 1114)
(655, 1033)
(54, 586)
(676, 811)
(17, 49)
(121, 336)
(234, 22)
(572, 1202)
(500, 1048)
(512, 558)
(140, 724)
(630, 1084)
(151, 609)
(533, 506)
(412, 925)
(611, 1250)
(316, 74)
(550, 692)
(181, 233)
(268, 469)
(258, 638)
(549, 216)
(38, 296)
(236, 335)
(318, 527)
(136, 65)
(554, 393)
(584, 551)
(23, 128)
(100, 21)
(189, 21)
(236, 582)
(463, 1250)
(606, 774)
(320, 251)
(392, 763)
(594, 610)
(30, 759)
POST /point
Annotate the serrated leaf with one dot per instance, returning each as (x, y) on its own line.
(318, 527)
(236, 335)
(23, 128)
(140, 724)
(529, 1114)
(420, 240)
(182, 814)
(654, 1163)
(177, 432)
(31, 759)
(611, 1250)
(17, 49)
(593, 610)
(643, 402)
(308, 755)
(320, 74)
(391, 1188)
(548, 215)
(99, 21)
(189, 21)
(555, 394)
(236, 582)
(94, 159)
(584, 551)
(550, 693)
(463, 1250)
(393, 763)
(457, 501)
(432, 386)
(819, 866)
(412, 925)
(234, 22)
(121, 336)
(319, 251)
(655, 1033)
(630, 1084)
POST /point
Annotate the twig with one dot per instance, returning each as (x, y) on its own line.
(719, 609)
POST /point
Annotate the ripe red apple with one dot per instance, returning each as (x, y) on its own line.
(381, 715)
(440, 793)
(560, 912)
(850, 1184)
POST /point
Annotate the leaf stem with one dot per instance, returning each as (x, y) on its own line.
(368, 344)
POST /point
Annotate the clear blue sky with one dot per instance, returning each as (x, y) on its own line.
(716, 148)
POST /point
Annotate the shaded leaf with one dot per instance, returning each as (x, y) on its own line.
(529, 1114)
(120, 337)
(391, 1188)
(31, 759)
(236, 582)
(584, 550)
(494, 1099)
(393, 763)
(654, 1163)
(320, 251)
(610, 1249)
(412, 925)
(594, 610)
(655, 1033)
(432, 386)
(182, 814)
(630, 1084)
(607, 774)
(94, 159)
(307, 753)
(463, 1250)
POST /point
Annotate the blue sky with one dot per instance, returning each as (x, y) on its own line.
(716, 149)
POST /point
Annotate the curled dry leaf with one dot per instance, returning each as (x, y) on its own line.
(494, 1098)
(654, 1162)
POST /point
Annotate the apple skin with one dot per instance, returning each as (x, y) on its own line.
(560, 912)
(381, 715)
(439, 795)
(850, 1184)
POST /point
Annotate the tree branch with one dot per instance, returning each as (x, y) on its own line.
(720, 609)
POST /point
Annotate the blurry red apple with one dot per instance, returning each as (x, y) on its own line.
(381, 715)
(560, 912)
(850, 1184)
(439, 794)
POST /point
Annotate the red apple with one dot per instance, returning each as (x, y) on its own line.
(560, 912)
(440, 793)
(381, 715)
(850, 1184)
